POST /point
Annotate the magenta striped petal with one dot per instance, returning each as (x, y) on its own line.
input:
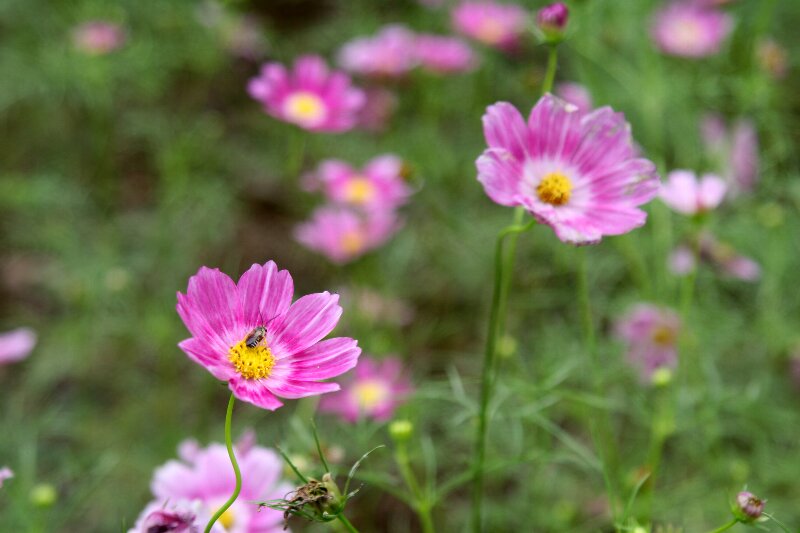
(504, 127)
(324, 360)
(265, 292)
(306, 322)
(255, 392)
(215, 360)
(293, 389)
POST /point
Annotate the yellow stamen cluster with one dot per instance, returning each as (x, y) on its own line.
(370, 394)
(359, 190)
(304, 106)
(663, 336)
(555, 188)
(251, 363)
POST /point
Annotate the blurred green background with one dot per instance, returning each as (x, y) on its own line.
(121, 174)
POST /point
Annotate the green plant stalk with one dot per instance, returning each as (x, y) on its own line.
(659, 432)
(487, 376)
(550, 73)
(346, 523)
(297, 150)
(726, 527)
(236, 471)
(422, 505)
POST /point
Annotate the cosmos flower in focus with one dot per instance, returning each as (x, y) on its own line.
(98, 37)
(497, 25)
(685, 193)
(343, 234)
(5, 473)
(735, 150)
(389, 54)
(375, 391)
(687, 29)
(379, 186)
(651, 336)
(250, 335)
(16, 345)
(206, 480)
(444, 55)
(718, 255)
(577, 173)
(310, 96)
(575, 94)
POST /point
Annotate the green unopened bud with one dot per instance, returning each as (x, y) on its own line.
(401, 430)
(662, 376)
(507, 346)
(43, 495)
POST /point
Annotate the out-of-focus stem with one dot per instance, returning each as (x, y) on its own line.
(726, 527)
(550, 73)
(422, 504)
(237, 473)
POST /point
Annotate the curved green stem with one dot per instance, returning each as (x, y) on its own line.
(235, 465)
(499, 296)
(726, 527)
(550, 73)
(347, 525)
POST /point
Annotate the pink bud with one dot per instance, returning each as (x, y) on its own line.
(552, 20)
(749, 505)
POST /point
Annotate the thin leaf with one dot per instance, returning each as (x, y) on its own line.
(319, 448)
(356, 465)
(291, 464)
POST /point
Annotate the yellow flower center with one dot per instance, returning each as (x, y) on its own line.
(359, 190)
(227, 519)
(370, 394)
(305, 107)
(490, 31)
(555, 188)
(663, 336)
(352, 242)
(251, 363)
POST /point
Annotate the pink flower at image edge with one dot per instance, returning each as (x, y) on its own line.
(16, 345)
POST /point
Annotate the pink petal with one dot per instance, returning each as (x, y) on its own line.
(712, 190)
(202, 353)
(265, 292)
(211, 307)
(255, 392)
(504, 127)
(292, 389)
(555, 127)
(326, 359)
(306, 322)
(500, 174)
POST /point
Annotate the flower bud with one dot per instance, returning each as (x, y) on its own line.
(43, 495)
(552, 21)
(748, 507)
(401, 430)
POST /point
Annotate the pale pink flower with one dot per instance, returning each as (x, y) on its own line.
(310, 96)
(98, 37)
(575, 172)
(375, 391)
(444, 55)
(175, 517)
(391, 53)
(685, 193)
(736, 150)
(575, 94)
(498, 25)
(5, 473)
(651, 335)
(716, 254)
(379, 185)
(342, 234)
(208, 480)
(16, 345)
(378, 109)
(250, 335)
(684, 28)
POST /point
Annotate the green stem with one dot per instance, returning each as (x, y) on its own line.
(235, 465)
(586, 304)
(550, 73)
(487, 376)
(421, 503)
(347, 525)
(726, 527)
(297, 149)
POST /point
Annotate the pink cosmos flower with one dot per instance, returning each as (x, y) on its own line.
(311, 96)
(379, 186)
(718, 255)
(251, 335)
(5, 473)
(497, 25)
(444, 55)
(686, 194)
(651, 335)
(98, 37)
(375, 391)
(577, 173)
(174, 517)
(690, 30)
(378, 109)
(343, 235)
(575, 94)
(736, 150)
(16, 345)
(390, 54)
(208, 480)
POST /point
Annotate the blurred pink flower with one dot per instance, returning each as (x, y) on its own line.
(718, 255)
(375, 391)
(444, 55)
(16, 345)
(498, 25)
(684, 28)
(575, 94)
(651, 335)
(773, 58)
(577, 173)
(736, 150)
(342, 234)
(378, 109)
(685, 193)
(390, 53)
(98, 37)
(174, 517)
(251, 335)
(379, 186)
(311, 96)
(5, 473)
(208, 480)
